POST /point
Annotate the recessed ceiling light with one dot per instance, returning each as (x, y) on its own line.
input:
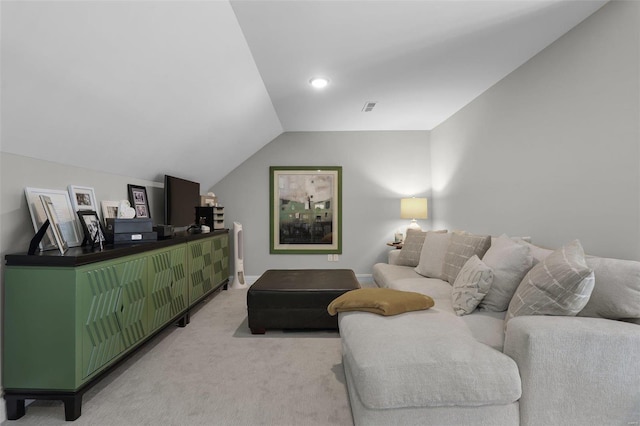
(319, 82)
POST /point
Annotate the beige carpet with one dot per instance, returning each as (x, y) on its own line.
(214, 372)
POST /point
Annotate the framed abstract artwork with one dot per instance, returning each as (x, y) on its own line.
(305, 210)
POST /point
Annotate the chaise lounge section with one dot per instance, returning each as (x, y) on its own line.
(497, 367)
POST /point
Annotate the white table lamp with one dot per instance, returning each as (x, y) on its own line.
(413, 208)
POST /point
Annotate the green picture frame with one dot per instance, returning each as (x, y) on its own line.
(305, 209)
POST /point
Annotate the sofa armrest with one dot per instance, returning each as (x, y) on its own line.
(393, 257)
(576, 371)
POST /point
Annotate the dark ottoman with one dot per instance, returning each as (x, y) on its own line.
(297, 298)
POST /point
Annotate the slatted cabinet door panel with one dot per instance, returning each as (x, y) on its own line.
(200, 261)
(220, 258)
(133, 302)
(113, 309)
(169, 291)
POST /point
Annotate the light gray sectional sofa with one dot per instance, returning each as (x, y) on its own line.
(567, 357)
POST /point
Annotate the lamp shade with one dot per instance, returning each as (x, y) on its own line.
(413, 208)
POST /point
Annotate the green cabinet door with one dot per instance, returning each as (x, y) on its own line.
(220, 259)
(39, 350)
(113, 310)
(200, 261)
(169, 291)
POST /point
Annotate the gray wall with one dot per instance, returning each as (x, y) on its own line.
(552, 150)
(379, 168)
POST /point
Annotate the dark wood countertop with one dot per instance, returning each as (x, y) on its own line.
(78, 256)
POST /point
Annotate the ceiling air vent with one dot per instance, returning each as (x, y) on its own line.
(368, 106)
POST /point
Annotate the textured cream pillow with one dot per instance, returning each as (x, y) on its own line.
(510, 262)
(617, 292)
(432, 254)
(471, 285)
(559, 285)
(382, 301)
(410, 252)
(461, 247)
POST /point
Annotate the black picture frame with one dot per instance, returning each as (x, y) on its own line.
(92, 227)
(139, 200)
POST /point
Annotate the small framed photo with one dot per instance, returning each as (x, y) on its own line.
(141, 210)
(109, 209)
(82, 198)
(93, 232)
(54, 223)
(139, 201)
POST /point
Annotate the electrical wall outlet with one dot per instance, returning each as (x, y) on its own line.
(329, 258)
(336, 258)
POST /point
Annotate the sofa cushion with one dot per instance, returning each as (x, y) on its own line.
(486, 327)
(461, 247)
(381, 301)
(432, 254)
(424, 359)
(559, 285)
(616, 294)
(410, 252)
(385, 274)
(406, 279)
(471, 286)
(510, 262)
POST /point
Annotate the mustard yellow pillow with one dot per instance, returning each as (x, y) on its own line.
(382, 301)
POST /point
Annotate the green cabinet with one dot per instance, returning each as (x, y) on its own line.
(169, 291)
(208, 265)
(113, 307)
(220, 259)
(200, 261)
(69, 318)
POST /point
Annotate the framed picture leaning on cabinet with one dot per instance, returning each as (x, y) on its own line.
(69, 225)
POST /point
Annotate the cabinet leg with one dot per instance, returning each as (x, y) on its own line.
(15, 407)
(72, 407)
(184, 320)
(258, 331)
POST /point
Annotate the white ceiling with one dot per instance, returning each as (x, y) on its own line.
(194, 88)
(420, 60)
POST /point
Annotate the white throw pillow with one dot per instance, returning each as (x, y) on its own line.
(510, 262)
(559, 285)
(432, 254)
(471, 285)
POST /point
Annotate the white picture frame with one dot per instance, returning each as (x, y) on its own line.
(54, 223)
(109, 209)
(83, 198)
(67, 219)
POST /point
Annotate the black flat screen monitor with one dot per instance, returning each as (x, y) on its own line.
(181, 197)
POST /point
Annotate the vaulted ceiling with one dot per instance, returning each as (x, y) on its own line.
(194, 88)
